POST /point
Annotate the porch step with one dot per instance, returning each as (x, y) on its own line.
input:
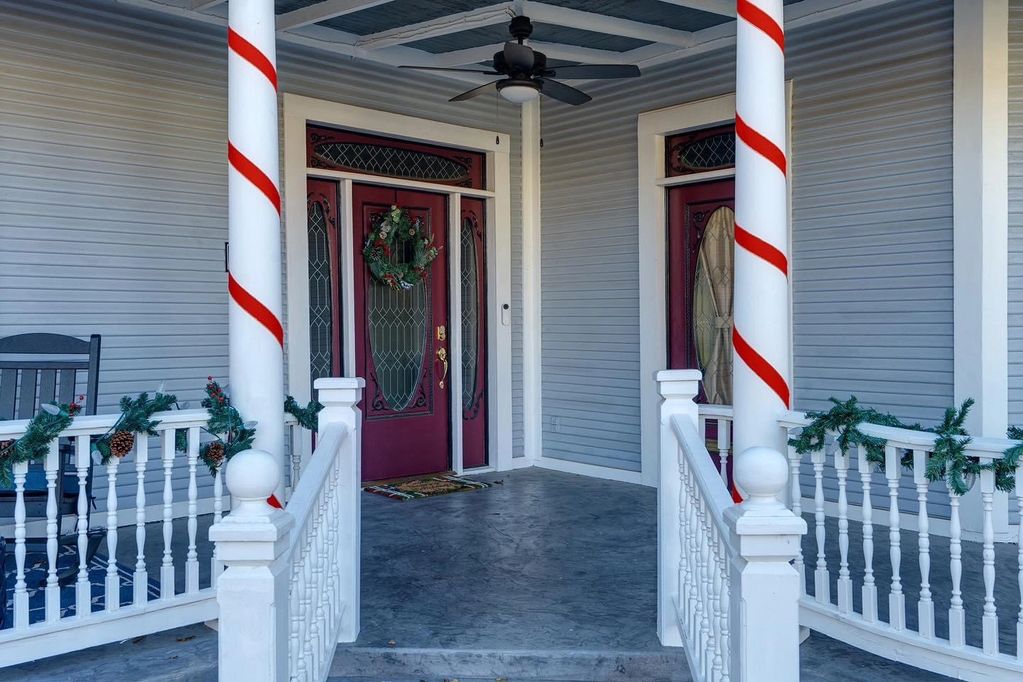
(401, 664)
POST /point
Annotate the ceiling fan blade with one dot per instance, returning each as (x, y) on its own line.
(562, 92)
(489, 72)
(596, 71)
(518, 57)
(475, 92)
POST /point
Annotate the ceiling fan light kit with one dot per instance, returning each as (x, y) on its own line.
(527, 75)
(519, 91)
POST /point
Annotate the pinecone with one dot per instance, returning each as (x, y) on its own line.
(5, 444)
(215, 453)
(121, 443)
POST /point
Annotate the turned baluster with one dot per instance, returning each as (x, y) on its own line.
(990, 617)
(112, 601)
(1019, 561)
(83, 588)
(192, 557)
(52, 593)
(925, 606)
(797, 509)
(724, 444)
(167, 566)
(845, 601)
(141, 579)
(821, 577)
(956, 613)
(869, 590)
(896, 598)
(216, 565)
(20, 589)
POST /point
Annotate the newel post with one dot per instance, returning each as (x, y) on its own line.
(764, 585)
(678, 388)
(252, 592)
(340, 397)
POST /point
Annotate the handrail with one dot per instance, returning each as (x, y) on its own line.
(303, 498)
(982, 447)
(712, 488)
(92, 424)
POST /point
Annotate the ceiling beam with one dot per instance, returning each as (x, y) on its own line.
(201, 5)
(441, 26)
(321, 11)
(542, 13)
(725, 8)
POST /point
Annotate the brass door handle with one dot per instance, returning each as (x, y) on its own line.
(442, 355)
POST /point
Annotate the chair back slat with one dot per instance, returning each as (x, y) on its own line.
(8, 392)
(47, 385)
(66, 393)
(27, 401)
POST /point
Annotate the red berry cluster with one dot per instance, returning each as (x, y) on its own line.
(214, 391)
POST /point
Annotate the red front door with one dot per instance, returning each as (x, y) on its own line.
(401, 347)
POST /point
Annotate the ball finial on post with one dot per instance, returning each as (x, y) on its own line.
(252, 476)
(761, 474)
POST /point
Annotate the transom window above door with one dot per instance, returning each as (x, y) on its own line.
(699, 151)
(344, 150)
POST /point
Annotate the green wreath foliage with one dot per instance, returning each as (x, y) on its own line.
(394, 235)
(136, 418)
(948, 461)
(308, 417)
(231, 434)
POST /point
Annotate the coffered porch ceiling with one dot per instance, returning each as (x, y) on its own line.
(461, 32)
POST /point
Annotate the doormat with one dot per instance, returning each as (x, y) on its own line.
(429, 486)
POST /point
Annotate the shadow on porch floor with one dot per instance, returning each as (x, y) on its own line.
(546, 576)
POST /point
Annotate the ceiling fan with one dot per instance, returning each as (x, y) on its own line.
(527, 75)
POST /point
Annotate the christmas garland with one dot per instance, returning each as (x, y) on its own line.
(34, 444)
(231, 433)
(392, 234)
(948, 462)
(308, 416)
(136, 418)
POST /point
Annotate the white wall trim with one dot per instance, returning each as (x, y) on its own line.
(980, 197)
(532, 372)
(591, 470)
(298, 111)
(652, 128)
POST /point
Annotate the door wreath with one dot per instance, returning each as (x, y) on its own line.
(396, 236)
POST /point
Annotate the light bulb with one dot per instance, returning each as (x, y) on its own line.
(520, 94)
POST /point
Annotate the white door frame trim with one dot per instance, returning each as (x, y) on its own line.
(298, 111)
(653, 127)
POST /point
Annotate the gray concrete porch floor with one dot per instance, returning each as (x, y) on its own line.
(535, 570)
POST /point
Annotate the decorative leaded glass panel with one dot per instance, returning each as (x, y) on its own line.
(347, 151)
(470, 313)
(399, 323)
(712, 305)
(700, 151)
(321, 337)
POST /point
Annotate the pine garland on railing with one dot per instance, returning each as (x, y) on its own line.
(948, 461)
(136, 419)
(34, 444)
(308, 416)
(231, 433)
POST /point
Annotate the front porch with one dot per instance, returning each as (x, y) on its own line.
(546, 575)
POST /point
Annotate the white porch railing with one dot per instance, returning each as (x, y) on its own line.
(845, 604)
(727, 592)
(155, 603)
(290, 591)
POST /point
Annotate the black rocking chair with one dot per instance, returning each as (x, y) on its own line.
(36, 369)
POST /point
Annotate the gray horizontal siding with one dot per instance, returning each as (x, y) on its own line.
(113, 185)
(872, 231)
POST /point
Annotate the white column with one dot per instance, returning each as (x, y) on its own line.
(761, 356)
(254, 226)
(678, 388)
(980, 123)
(252, 592)
(339, 397)
(531, 245)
